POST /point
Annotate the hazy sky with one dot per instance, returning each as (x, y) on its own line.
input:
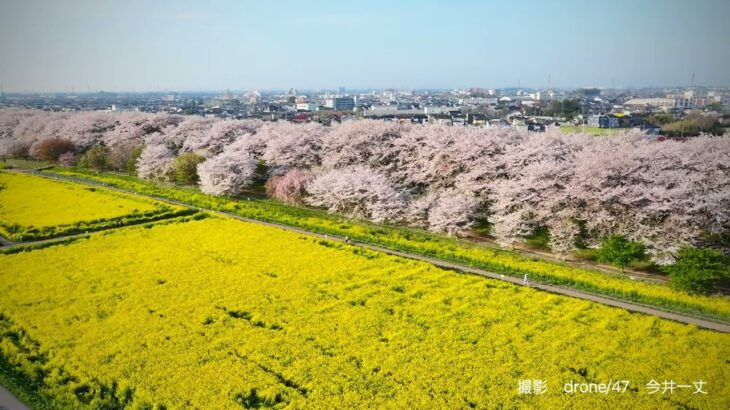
(192, 45)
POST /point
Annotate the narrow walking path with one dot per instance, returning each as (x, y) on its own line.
(9, 402)
(5, 242)
(629, 306)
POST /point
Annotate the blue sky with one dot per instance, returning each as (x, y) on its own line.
(195, 45)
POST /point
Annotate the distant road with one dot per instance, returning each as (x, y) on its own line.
(9, 402)
(631, 307)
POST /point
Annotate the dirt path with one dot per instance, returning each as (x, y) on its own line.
(629, 306)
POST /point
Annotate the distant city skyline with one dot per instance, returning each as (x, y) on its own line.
(138, 46)
(353, 91)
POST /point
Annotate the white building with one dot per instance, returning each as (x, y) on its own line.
(384, 108)
(307, 107)
(432, 109)
(478, 101)
(665, 103)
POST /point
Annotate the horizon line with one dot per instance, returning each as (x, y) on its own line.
(335, 89)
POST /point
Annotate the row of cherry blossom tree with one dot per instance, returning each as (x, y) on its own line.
(447, 179)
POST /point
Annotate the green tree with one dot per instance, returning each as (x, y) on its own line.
(566, 108)
(697, 270)
(97, 158)
(131, 164)
(660, 119)
(185, 168)
(261, 175)
(620, 251)
(716, 106)
(324, 118)
(692, 125)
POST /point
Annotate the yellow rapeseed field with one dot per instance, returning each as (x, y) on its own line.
(30, 206)
(217, 314)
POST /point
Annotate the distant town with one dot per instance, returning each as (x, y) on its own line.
(647, 109)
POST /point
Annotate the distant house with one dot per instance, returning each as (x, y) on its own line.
(443, 119)
(458, 119)
(414, 119)
(618, 120)
(624, 120)
(648, 128)
(476, 119)
(639, 118)
(301, 117)
(479, 101)
(307, 107)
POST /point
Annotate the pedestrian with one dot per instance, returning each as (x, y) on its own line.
(525, 282)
